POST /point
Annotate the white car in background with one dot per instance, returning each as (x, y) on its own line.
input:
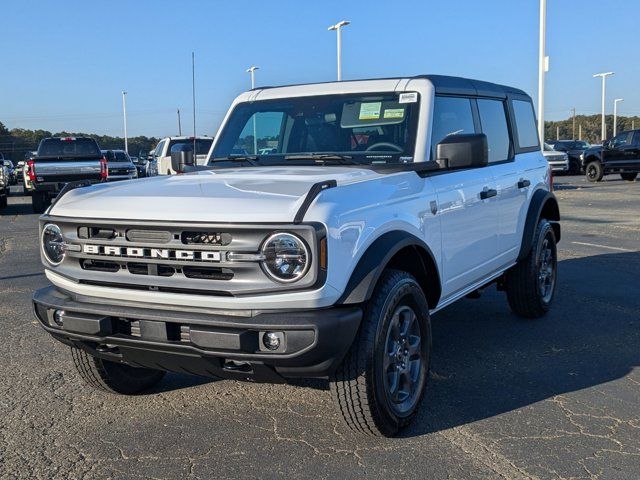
(559, 161)
(162, 152)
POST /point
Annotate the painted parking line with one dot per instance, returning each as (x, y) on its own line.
(620, 249)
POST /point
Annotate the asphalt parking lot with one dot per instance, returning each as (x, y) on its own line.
(508, 398)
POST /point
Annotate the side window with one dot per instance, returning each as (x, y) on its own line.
(636, 138)
(494, 125)
(525, 124)
(451, 116)
(621, 140)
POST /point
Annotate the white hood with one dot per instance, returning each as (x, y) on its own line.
(247, 194)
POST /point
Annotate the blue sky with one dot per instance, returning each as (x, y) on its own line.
(65, 62)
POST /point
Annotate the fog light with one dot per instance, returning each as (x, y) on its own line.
(272, 340)
(58, 317)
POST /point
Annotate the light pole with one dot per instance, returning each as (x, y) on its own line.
(251, 70)
(543, 67)
(124, 114)
(338, 28)
(604, 76)
(615, 115)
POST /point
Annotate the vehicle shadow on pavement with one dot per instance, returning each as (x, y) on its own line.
(16, 209)
(486, 361)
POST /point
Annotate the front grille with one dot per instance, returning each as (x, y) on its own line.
(179, 258)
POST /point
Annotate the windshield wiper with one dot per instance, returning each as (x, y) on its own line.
(251, 159)
(324, 157)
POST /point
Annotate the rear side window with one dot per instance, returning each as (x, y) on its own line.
(493, 119)
(68, 147)
(451, 116)
(525, 124)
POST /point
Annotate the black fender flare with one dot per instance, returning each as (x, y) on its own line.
(543, 205)
(373, 262)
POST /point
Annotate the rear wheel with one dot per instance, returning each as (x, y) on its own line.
(594, 171)
(629, 177)
(113, 377)
(531, 283)
(380, 383)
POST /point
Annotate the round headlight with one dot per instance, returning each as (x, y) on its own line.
(53, 243)
(287, 258)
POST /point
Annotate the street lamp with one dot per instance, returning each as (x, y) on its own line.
(615, 115)
(604, 81)
(543, 67)
(338, 28)
(251, 70)
(124, 114)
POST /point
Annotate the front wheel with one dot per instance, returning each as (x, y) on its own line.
(380, 383)
(531, 283)
(594, 171)
(113, 377)
(629, 177)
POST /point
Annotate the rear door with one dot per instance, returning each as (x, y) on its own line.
(467, 205)
(508, 174)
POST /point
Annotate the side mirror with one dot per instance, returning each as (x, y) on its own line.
(463, 151)
(606, 143)
(181, 157)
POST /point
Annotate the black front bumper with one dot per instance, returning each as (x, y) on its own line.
(313, 342)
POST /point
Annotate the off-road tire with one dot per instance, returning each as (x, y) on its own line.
(359, 384)
(594, 171)
(113, 377)
(39, 202)
(629, 177)
(522, 282)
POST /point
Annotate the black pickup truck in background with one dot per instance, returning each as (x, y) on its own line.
(620, 155)
(59, 161)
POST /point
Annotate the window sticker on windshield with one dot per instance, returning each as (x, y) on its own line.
(394, 113)
(409, 97)
(370, 111)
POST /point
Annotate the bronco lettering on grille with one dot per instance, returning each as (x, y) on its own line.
(161, 253)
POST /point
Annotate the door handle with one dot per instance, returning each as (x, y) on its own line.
(523, 183)
(488, 194)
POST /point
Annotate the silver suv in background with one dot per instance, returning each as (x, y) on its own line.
(559, 161)
(119, 165)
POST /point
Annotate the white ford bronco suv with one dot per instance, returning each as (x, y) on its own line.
(356, 211)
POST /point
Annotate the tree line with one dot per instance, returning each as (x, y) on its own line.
(18, 142)
(589, 125)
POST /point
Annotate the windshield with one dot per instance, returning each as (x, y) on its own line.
(367, 127)
(202, 144)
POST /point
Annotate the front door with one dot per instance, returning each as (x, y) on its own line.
(467, 204)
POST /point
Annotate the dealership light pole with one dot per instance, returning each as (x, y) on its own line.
(543, 67)
(338, 28)
(615, 115)
(252, 71)
(124, 114)
(604, 76)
